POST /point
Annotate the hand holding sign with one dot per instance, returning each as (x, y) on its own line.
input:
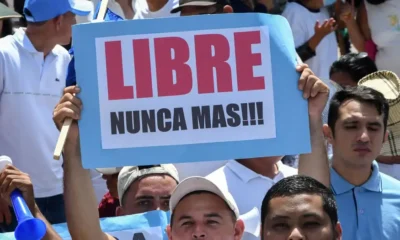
(314, 89)
(69, 106)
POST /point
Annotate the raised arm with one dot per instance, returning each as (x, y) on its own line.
(80, 199)
(10, 179)
(353, 23)
(314, 164)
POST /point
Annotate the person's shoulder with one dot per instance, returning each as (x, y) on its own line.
(218, 175)
(7, 44)
(288, 171)
(390, 184)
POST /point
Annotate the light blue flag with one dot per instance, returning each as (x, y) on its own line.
(144, 226)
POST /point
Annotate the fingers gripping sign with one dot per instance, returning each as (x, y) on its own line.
(314, 90)
(65, 114)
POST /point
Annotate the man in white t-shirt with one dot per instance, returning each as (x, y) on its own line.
(32, 76)
(145, 9)
(314, 35)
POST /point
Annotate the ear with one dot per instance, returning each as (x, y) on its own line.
(385, 138)
(338, 230)
(57, 21)
(239, 229)
(169, 234)
(328, 133)
(227, 9)
(119, 211)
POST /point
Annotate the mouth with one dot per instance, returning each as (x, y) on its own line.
(362, 150)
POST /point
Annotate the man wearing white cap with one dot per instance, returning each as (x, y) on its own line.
(146, 188)
(201, 210)
(110, 201)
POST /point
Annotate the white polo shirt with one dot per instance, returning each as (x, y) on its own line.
(247, 187)
(30, 88)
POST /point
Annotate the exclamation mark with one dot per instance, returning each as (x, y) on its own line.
(245, 114)
(252, 108)
(260, 113)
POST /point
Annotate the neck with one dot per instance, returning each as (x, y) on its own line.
(40, 41)
(266, 166)
(127, 8)
(310, 4)
(156, 5)
(347, 171)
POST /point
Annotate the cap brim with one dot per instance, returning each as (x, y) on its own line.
(108, 171)
(82, 8)
(6, 12)
(194, 184)
(192, 4)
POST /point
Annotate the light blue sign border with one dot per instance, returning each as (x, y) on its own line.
(292, 129)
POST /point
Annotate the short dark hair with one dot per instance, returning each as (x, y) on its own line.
(359, 93)
(201, 192)
(296, 185)
(357, 65)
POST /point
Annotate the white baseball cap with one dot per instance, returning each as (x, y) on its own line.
(194, 184)
(109, 171)
(130, 174)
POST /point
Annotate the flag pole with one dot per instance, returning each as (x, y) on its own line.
(67, 123)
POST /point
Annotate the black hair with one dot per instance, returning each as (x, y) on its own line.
(147, 166)
(359, 93)
(376, 2)
(357, 65)
(357, 3)
(7, 24)
(233, 215)
(19, 8)
(296, 185)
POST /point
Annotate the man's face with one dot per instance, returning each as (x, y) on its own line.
(148, 194)
(112, 184)
(359, 134)
(343, 79)
(64, 27)
(204, 216)
(298, 217)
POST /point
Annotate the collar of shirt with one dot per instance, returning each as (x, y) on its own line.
(22, 39)
(246, 174)
(374, 184)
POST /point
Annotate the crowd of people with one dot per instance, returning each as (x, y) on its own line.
(347, 188)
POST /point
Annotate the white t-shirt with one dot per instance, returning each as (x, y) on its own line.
(142, 10)
(384, 23)
(190, 169)
(247, 187)
(302, 22)
(112, 5)
(30, 88)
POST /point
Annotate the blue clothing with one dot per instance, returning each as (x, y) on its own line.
(370, 211)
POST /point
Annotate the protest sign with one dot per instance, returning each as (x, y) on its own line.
(188, 89)
(144, 226)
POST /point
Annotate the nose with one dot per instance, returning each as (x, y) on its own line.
(199, 233)
(296, 235)
(364, 137)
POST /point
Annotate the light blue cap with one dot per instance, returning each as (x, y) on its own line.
(43, 10)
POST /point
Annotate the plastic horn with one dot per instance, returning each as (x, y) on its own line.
(28, 227)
